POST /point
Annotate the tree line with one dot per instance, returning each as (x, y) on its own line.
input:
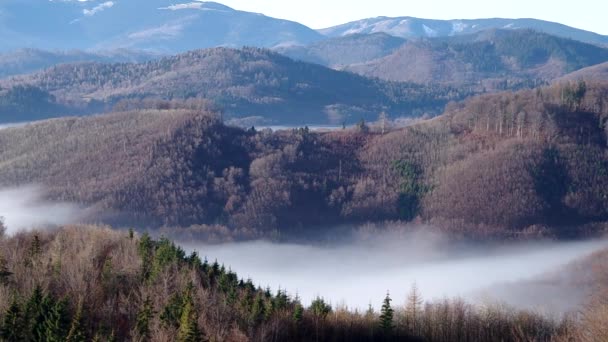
(94, 284)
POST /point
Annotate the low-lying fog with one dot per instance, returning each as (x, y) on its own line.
(524, 275)
(358, 271)
(24, 208)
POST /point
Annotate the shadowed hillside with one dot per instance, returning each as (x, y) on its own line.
(531, 161)
(243, 83)
(344, 51)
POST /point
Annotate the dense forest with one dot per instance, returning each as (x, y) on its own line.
(248, 82)
(486, 61)
(531, 162)
(343, 51)
(95, 284)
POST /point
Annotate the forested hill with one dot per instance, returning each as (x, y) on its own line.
(242, 83)
(489, 60)
(96, 284)
(508, 163)
(343, 51)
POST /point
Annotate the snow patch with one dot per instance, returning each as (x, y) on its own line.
(198, 5)
(167, 30)
(429, 31)
(458, 27)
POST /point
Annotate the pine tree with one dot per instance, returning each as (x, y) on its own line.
(142, 325)
(76, 333)
(386, 316)
(12, 328)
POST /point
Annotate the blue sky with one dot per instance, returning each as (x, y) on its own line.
(586, 14)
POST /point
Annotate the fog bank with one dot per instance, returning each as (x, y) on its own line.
(360, 273)
(24, 208)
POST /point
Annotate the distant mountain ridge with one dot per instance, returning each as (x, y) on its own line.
(176, 26)
(410, 27)
(25, 61)
(244, 83)
(160, 25)
(489, 60)
(342, 51)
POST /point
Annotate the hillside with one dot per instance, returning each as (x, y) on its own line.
(596, 73)
(24, 61)
(488, 60)
(504, 164)
(242, 83)
(343, 51)
(409, 27)
(91, 283)
(159, 25)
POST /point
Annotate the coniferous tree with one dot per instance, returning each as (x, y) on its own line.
(142, 325)
(188, 327)
(56, 322)
(4, 272)
(76, 332)
(12, 329)
(145, 250)
(413, 307)
(258, 310)
(2, 227)
(33, 313)
(172, 312)
(41, 332)
(386, 316)
(298, 313)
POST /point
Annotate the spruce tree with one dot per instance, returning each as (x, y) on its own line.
(76, 332)
(57, 322)
(172, 312)
(4, 272)
(12, 329)
(386, 316)
(257, 310)
(33, 313)
(188, 327)
(298, 314)
(142, 325)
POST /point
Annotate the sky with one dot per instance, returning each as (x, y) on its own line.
(585, 14)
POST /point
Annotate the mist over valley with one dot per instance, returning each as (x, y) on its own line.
(196, 172)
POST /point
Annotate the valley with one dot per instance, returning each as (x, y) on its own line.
(194, 172)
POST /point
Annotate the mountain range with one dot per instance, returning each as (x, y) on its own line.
(171, 27)
(159, 25)
(244, 83)
(409, 27)
(490, 60)
(93, 55)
